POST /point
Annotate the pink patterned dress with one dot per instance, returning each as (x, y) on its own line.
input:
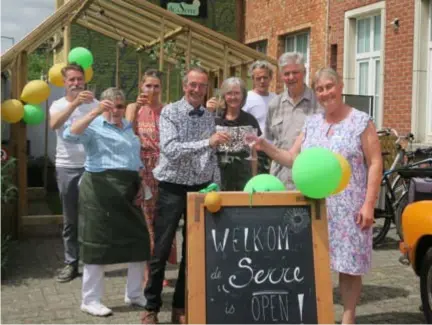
(350, 247)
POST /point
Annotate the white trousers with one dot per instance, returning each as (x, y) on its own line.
(93, 282)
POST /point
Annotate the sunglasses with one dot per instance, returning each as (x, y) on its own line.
(120, 106)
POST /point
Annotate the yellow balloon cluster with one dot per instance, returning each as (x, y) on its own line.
(346, 173)
(55, 76)
(33, 93)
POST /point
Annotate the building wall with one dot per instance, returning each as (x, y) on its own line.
(272, 20)
(398, 56)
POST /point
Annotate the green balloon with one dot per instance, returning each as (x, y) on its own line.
(264, 183)
(81, 56)
(33, 114)
(316, 172)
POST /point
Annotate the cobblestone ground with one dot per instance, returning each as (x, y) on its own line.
(30, 293)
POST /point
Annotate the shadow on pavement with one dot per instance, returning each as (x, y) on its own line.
(371, 293)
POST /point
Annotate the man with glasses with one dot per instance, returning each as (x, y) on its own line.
(69, 160)
(288, 110)
(188, 163)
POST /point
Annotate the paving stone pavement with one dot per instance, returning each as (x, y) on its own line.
(30, 294)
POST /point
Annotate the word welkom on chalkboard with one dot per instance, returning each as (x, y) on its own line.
(260, 262)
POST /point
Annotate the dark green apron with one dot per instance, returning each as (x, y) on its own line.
(111, 228)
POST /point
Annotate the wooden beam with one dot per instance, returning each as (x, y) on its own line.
(19, 138)
(168, 83)
(114, 36)
(244, 72)
(172, 34)
(83, 8)
(139, 72)
(41, 33)
(123, 21)
(162, 44)
(114, 28)
(189, 49)
(201, 30)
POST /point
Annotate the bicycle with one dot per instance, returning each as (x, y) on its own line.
(391, 187)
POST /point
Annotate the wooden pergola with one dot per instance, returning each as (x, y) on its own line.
(137, 23)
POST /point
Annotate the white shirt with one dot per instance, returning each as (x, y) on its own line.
(257, 105)
(69, 155)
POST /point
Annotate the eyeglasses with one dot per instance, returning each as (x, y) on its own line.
(195, 85)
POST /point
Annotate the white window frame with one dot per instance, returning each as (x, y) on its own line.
(421, 112)
(350, 66)
(429, 77)
(307, 58)
(371, 57)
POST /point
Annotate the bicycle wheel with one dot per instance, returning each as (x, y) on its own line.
(400, 207)
(382, 223)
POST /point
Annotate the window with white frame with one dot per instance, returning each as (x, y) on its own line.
(429, 99)
(299, 43)
(368, 58)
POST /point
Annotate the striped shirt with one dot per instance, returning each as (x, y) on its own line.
(186, 157)
(108, 146)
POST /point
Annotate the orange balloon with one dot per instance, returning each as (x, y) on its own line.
(88, 74)
(213, 201)
(346, 173)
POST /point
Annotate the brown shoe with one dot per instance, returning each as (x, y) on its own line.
(149, 317)
(178, 316)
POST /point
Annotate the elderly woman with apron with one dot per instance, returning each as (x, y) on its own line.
(111, 227)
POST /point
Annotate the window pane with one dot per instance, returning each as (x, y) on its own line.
(363, 78)
(377, 86)
(302, 44)
(363, 35)
(430, 19)
(289, 44)
(377, 33)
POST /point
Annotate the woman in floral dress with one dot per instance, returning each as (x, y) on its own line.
(144, 114)
(351, 133)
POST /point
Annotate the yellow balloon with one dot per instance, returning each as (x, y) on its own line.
(55, 76)
(35, 92)
(12, 110)
(213, 201)
(88, 74)
(346, 173)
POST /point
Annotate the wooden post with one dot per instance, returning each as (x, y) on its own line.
(19, 140)
(232, 71)
(225, 63)
(244, 72)
(139, 72)
(220, 77)
(162, 43)
(211, 84)
(240, 21)
(168, 83)
(61, 54)
(188, 49)
(117, 74)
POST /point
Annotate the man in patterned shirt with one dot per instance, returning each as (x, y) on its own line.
(187, 163)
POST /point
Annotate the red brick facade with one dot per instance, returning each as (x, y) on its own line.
(272, 19)
(398, 55)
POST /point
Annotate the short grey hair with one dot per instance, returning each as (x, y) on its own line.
(112, 94)
(261, 64)
(291, 58)
(327, 73)
(196, 69)
(228, 84)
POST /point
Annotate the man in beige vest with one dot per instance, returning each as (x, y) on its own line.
(288, 110)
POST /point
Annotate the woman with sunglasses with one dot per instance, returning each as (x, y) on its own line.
(144, 115)
(111, 228)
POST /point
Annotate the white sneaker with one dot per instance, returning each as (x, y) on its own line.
(139, 301)
(96, 309)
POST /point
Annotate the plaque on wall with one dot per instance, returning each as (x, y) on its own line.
(194, 8)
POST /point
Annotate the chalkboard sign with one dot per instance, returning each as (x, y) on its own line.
(259, 261)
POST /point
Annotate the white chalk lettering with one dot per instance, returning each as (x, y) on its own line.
(287, 275)
(218, 245)
(267, 305)
(235, 240)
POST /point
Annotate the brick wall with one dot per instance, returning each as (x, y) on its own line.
(398, 59)
(273, 19)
